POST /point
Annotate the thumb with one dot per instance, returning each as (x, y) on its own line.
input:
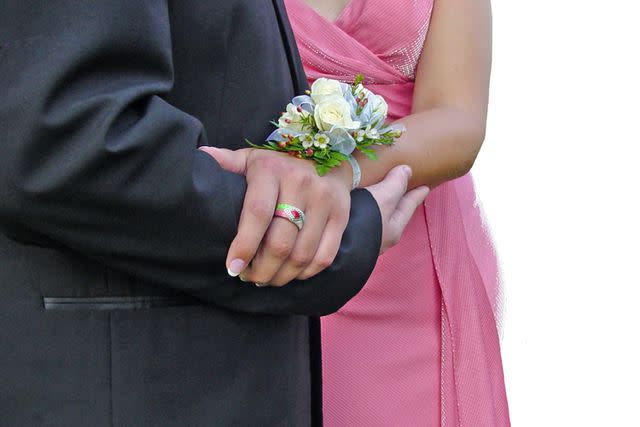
(232, 161)
(392, 187)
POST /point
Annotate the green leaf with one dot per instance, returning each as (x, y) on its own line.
(338, 156)
(322, 169)
(369, 152)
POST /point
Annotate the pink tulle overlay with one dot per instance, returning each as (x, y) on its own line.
(419, 345)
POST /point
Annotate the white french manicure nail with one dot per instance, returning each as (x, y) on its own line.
(235, 267)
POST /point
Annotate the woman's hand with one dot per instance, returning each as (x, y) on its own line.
(396, 204)
(271, 250)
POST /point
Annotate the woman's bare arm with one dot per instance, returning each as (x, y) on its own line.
(447, 125)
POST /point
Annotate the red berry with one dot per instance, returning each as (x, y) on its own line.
(287, 121)
(282, 144)
(309, 152)
(299, 109)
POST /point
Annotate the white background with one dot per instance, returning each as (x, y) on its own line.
(559, 180)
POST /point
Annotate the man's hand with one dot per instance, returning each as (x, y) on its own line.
(270, 250)
(396, 205)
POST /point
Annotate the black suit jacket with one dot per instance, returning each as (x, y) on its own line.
(115, 305)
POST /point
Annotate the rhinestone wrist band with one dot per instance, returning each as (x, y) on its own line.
(357, 173)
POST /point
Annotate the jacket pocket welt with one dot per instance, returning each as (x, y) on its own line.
(114, 303)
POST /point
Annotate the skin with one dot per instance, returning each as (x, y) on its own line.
(329, 9)
(276, 248)
(279, 253)
(447, 126)
(444, 135)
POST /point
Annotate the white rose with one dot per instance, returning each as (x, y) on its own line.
(334, 111)
(293, 118)
(325, 88)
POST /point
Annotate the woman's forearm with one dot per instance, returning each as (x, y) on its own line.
(440, 144)
(446, 130)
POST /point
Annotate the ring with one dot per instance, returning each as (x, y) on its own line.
(293, 214)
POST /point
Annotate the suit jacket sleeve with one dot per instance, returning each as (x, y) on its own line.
(94, 159)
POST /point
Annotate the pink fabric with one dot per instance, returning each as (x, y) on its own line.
(419, 345)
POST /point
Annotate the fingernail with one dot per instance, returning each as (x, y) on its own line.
(242, 278)
(407, 171)
(235, 267)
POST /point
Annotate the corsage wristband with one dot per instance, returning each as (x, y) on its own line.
(357, 172)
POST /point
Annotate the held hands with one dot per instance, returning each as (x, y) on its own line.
(271, 250)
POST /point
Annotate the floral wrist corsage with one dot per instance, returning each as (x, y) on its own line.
(331, 121)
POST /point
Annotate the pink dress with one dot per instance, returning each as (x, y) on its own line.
(419, 345)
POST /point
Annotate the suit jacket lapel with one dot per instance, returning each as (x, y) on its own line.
(295, 63)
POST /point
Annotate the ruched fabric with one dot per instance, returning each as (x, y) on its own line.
(419, 345)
